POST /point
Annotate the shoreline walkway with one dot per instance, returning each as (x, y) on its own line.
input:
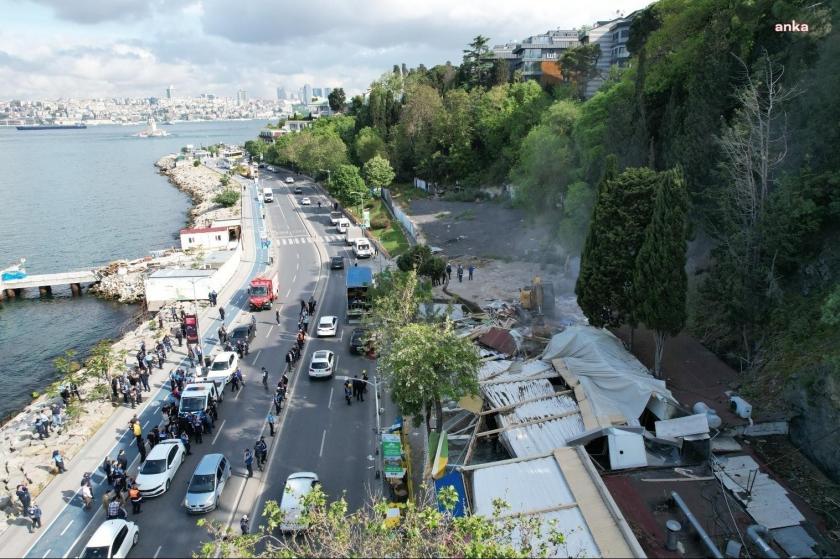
(64, 519)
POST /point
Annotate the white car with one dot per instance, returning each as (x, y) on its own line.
(271, 168)
(113, 538)
(322, 364)
(305, 201)
(297, 487)
(156, 473)
(223, 366)
(290, 180)
(327, 326)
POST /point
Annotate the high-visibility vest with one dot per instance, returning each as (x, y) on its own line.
(137, 429)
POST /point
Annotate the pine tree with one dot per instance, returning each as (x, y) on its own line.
(660, 282)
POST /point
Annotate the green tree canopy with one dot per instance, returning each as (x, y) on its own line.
(337, 99)
(378, 172)
(348, 185)
(369, 143)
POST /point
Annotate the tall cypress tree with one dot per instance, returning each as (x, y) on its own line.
(660, 280)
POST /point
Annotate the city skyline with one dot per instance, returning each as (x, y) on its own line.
(87, 49)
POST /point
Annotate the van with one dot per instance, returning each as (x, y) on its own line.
(362, 248)
(207, 483)
(197, 397)
(353, 232)
(268, 195)
(334, 217)
(342, 225)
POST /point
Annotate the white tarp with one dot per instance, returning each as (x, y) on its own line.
(615, 382)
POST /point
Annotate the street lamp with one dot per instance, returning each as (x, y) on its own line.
(375, 384)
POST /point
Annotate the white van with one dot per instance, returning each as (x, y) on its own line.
(196, 397)
(342, 225)
(268, 195)
(362, 248)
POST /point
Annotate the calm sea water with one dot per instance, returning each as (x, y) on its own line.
(75, 199)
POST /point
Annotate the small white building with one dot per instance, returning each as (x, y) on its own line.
(205, 237)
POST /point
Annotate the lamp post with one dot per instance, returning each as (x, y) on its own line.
(375, 384)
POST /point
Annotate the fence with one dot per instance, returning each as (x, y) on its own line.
(400, 216)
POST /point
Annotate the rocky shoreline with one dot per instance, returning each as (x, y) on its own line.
(122, 280)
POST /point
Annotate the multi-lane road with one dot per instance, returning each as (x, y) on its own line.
(317, 430)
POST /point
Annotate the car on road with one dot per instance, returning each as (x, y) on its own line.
(161, 465)
(358, 341)
(327, 326)
(223, 366)
(271, 168)
(322, 364)
(207, 483)
(113, 538)
(298, 190)
(297, 487)
(244, 333)
(335, 216)
(305, 201)
(337, 263)
(290, 180)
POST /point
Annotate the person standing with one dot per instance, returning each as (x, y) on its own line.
(448, 271)
(302, 305)
(277, 316)
(243, 524)
(249, 462)
(122, 459)
(278, 401)
(460, 273)
(186, 440)
(87, 496)
(180, 337)
(470, 272)
(198, 428)
(261, 450)
(136, 499)
(348, 392)
(160, 321)
(270, 420)
(35, 516)
(137, 430)
(25, 498)
(221, 313)
(59, 461)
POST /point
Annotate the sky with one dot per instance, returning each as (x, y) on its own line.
(136, 48)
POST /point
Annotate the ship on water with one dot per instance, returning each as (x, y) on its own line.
(77, 126)
(152, 131)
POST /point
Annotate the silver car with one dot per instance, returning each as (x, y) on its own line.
(207, 483)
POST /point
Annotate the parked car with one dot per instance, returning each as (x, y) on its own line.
(305, 201)
(298, 190)
(337, 263)
(223, 366)
(327, 326)
(322, 363)
(207, 483)
(358, 341)
(161, 465)
(291, 504)
(114, 538)
(290, 180)
(244, 333)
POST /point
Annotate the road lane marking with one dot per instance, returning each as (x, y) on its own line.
(288, 293)
(297, 267)
(157, 552)
(47, 554)
(323, 438)
(238, 392)
(257, 358)
(218, 431)
(329, 404)
(294, 278)
(66, 528)
(145, 424)
(269, 331)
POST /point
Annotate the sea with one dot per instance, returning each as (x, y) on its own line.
(74, 200)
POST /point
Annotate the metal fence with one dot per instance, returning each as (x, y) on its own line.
(399, 215)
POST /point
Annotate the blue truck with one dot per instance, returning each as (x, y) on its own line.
(359, 281)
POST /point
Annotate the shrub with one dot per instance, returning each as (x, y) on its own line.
(228, 198)
(379, 222)
(196, 162)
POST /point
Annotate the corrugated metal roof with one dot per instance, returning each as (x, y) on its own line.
(499, 339)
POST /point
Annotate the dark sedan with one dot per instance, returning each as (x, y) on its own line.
(244, 333)
(337, 263)
(298, 190)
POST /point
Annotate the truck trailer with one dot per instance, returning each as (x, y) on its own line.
(359, 282)
(262, 292)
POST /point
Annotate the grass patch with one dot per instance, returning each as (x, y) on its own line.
(392, 237)
(405, 192)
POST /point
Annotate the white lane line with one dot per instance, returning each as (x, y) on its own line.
(145, 424)
(238, 392)
(218, 431)
(297, 267)
(47, 554)
(288, 292)
(257, 358)
(294, 278)
(269, 331)
(323, 438)
(157, 552)
(329, 404)
(66, 528)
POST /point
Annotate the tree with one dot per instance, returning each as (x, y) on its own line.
(394, 302)
(424, 530)
(348, 185)
(369, 143)
(578, 65)
(224, 180)
(227, 198)
(378, 172)
(577, 213)
(67, 366)
(477, 67)
(337, 100)
(660, 281)
(256, 148)
(426, 364)
(100, 361)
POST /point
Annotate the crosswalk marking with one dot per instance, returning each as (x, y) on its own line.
(305, 240)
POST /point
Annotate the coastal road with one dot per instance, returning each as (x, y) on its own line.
(315, 433)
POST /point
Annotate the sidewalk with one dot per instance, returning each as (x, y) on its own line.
(59, 499)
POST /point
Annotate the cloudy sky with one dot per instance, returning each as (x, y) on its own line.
(102, 48)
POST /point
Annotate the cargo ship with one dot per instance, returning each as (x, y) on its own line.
(52, 127)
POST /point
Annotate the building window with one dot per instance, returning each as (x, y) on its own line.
(218, 237)
(190, 240)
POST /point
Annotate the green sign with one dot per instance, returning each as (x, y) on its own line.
(392, 456)
(366, 219)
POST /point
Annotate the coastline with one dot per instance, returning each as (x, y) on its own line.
(25, 458)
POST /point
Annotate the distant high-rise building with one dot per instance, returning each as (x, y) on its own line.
(211, 97)
(281, 93)
(307, 93)
(170, 92)
(317, 92)
(327, 91)
(241, 97)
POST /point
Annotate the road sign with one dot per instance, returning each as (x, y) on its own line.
(392, 456)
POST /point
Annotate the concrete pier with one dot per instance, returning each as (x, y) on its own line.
(45, 283)
(45, 290)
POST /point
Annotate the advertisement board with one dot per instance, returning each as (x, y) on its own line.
(392, 456)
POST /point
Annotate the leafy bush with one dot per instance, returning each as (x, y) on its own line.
(196, 162)
(379, 222)
(228, 198)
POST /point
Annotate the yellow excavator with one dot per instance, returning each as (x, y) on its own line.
(538, 297)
